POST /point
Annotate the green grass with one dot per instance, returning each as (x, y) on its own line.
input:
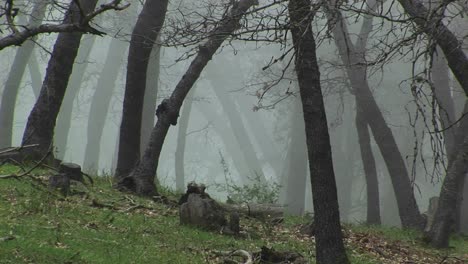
(48, 228)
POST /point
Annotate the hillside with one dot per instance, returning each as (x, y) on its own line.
(97, 224)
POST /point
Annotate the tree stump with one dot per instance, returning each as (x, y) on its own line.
(72, 170)
(198, 209)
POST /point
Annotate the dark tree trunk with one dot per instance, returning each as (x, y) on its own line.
(430, 23)
(352, 57)
(144, 35)
(329, 239)
(370, 170)
(452, 190)
(141, 179)
(64, 119)
(41, 122)
(100, 103)
(12, 84)
(449, 196)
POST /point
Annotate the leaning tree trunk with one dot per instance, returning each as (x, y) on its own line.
(141, 179)
(352, 57)
(41, 122)
(12, 84)
(370, 170)
(328, 236)
(431, 24)
(218, 83)
(65, 115)
(144, 35)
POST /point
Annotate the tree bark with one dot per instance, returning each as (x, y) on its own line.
(41, 122)
(144, 35)
(141, 179)
(65, 115)
(12, 84)
(352, 57)
(329, 239)
(36, 76)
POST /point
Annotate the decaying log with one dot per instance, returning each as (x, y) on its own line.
(271, 212)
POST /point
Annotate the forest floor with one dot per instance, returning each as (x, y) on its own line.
(97, 224)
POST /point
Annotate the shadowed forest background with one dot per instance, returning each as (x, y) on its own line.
(158, 94)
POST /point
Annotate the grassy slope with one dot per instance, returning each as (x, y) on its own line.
(47, 228)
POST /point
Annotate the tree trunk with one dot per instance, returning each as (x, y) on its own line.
(441, 83)
(144, 35)
(296, 164)
(180, 149)
(352, 57)
(141, 179)
(235, 121)
(12, 84)
(151, 95)
(431, 24)
(65, 115)
(100, 103)
(370, 170)
(452, 190)
(36, 76)
(41, 122)
(449, 196)
(329, 239)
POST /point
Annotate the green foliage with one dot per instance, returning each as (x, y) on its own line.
(256, 191)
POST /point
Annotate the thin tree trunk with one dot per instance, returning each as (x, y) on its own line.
(352, 57)
(441, 82)
(180, 149)
(64, 119)
(141, 180)
(10, 92)
(329, 239)
(151, 95)
(144, 35)
(100, 103)
(370, 170)
(36, 76)
(41, 122)
(229, 140)
(237, 126)
(296, 164)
